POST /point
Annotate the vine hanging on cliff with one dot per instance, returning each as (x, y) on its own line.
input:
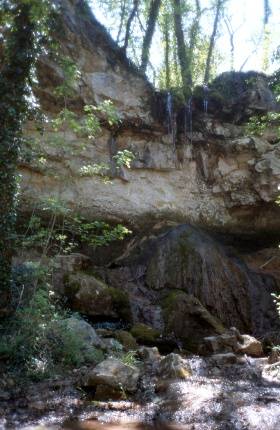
(23, 29)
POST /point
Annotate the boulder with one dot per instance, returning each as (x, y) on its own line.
(91, 296)
(149, 354)
(144, 333)
(250, 346)
(174, 366)
(274, 356)
(232, 341)
(201, 285)
(227, 342)
(114, 375)
(112, 344)
(126, 339)
(184, 315)
(63, 265)
(80, 338)
(84, 331)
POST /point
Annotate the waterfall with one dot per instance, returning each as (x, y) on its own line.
(205, 98)
(188, 119)
(170, 118)
(169, 112)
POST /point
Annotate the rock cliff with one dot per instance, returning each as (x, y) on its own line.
(210, 174)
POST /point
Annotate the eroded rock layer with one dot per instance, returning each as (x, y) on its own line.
(212, 174)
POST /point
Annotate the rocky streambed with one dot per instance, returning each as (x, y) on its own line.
(227, 389)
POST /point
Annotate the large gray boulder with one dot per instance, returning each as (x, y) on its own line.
(173, 366)
(115, 375)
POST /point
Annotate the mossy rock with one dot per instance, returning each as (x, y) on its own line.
(105, 393)
(126, 339)
(91, 296)
(121, 303)
(187, 319)
(144, 333)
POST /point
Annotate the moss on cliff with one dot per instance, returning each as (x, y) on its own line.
(144, 333)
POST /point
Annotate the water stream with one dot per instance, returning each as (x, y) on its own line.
(230, 397)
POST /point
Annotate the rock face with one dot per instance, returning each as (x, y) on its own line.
(188, 285)
(215, 175)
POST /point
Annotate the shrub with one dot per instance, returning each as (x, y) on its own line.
(37, 339)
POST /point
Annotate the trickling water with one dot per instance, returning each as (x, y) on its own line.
(170, 118)
(214, 397)
(235, 397)
(205, 98)
(188, 120)
(169, 112)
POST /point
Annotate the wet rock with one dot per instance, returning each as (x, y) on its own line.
(174, 366)
(150, 355)
(272, 371)
(232, 341)
(144, 333)
(115, 375)
(274, 356)
(224, 359)
(216, 344)
(106, 392)
(250, 346)
(38, 405)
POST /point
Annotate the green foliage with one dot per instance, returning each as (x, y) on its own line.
(258, 124)
(108, 109)
(71, 75)
(101, 169)
(124, 158)
(67, 119)
(96, 233)
(37, 339)
(130, 359)
(277, 302)
(53, 228)
(92, 123)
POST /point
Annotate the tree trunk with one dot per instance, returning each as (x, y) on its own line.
(18, 60)
(123, 8)
(181, 48)
(166, 51)
(212, 41)
(267, 12)
(151, 25)
(194, 31)
(129, 22)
